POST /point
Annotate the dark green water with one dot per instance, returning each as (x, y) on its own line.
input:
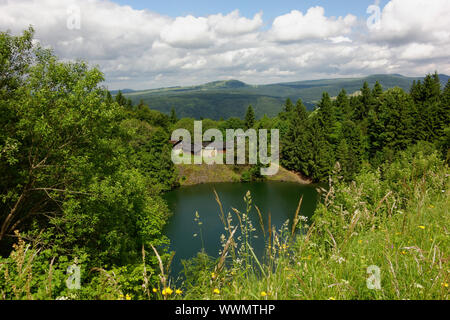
(279, 198)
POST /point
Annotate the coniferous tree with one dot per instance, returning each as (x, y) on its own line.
(173, 116)
(427, 101)
(249, 118)
(294, 148)
(342, 103)
(394, 123)
(377, 90)
(121, 100)
(366, 100)
(109, 98)
(289, 106)
(325, 112)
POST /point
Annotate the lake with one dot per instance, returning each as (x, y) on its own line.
(279, 198)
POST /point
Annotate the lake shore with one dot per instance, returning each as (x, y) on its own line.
(191, 174)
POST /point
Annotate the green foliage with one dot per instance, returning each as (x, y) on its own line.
(249, 118)
(82, 174)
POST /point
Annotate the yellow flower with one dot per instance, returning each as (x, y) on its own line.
(403, 252)
(360, 241)
(213, 275)
(178, 291)
(422, 227)
(169, 291)
(164, 292)
(128, 297)
(216, 291)
(445, 284)
(332, 298)
(263, 294)
(155, 290)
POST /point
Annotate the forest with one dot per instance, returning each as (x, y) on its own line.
(83, 173)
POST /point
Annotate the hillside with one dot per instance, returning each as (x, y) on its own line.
(225, 99)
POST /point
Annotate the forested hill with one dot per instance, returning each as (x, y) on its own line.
(226, 99)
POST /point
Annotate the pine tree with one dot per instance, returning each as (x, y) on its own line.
(377, 90)
(325, 112)
(427, 98)
(342, 103)
(366, 99)
(128, 104)
(289, 106)
(173, 116)
(249, 118)
(109, 98)
(120, 99)
(293, 142)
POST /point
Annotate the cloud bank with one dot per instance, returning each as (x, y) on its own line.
(141, 49)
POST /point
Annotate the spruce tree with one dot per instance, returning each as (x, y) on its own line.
(120, 99)
(249, 118)
(377, 90)
(342, 103)
(173, 116)
(289, 106)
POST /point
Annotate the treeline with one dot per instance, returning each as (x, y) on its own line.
(81, 174)
(371, 127)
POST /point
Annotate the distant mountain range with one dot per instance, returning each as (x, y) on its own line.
(225, 99)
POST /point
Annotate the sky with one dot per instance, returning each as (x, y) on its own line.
(154, 44)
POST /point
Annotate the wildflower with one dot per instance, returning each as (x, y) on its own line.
(216, 291)
(155, 290)
(169, 291)
(403, 252)
(213, 275)
(164, 292)
(178, 291)
(128, 297)
(360, 241)
(263, 294)
(445, 284)
(422, 227)
(332, 298)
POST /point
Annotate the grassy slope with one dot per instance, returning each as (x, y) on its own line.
(191, 174)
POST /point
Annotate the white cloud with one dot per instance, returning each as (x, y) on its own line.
(295, 26)
(188, 32)
(405, 21)
(233, 24)
(142, 49)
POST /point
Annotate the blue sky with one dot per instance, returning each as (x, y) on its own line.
(270, 8)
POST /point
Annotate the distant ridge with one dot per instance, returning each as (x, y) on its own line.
(230, 98)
